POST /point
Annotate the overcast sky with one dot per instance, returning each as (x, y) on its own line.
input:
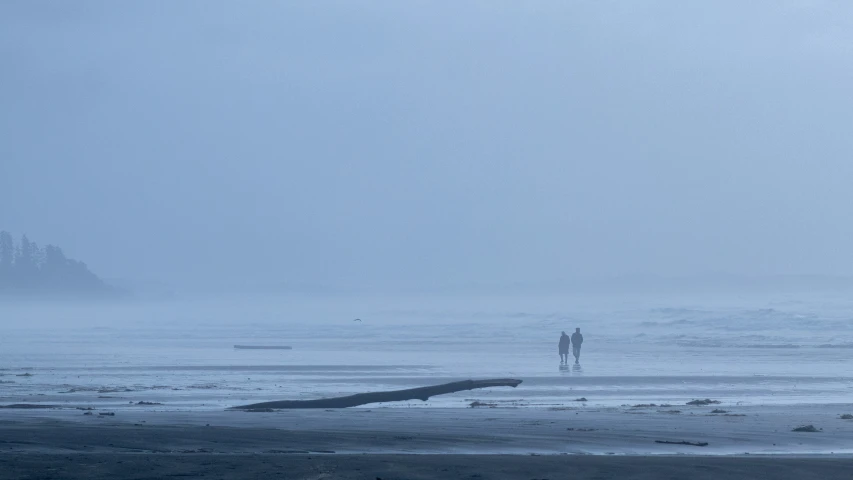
(424, 143)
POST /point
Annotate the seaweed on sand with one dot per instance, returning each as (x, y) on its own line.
(706, 401)
(806, 428)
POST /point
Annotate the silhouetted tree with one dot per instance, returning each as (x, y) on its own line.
(24, 266)
(7, 250)
(7, 256)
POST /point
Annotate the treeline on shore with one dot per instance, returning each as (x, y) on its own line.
(27, 268)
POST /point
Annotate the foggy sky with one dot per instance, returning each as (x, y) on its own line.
(424, 143)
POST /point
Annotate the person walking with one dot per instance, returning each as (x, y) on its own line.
(564, 348)
(577, 341)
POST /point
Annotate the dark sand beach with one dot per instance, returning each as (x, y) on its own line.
(425, 443)
(316, 467)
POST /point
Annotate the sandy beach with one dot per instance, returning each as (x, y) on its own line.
(579, 430)
(426, 443)
(370, 467)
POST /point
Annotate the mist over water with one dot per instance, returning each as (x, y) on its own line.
(750, 349)
(272, 146)
(409, 194)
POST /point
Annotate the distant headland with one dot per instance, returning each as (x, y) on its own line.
(29, 270)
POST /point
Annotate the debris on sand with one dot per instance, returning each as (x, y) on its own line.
(847, 416)
(27, 406)
(582, 399)
(707, 401)
(717, 410)
(107, 414)
(114, 390)
(806, 428)
(28, 374)
(148, 403)
(203, 386)
(645, 405)
(478, 404)
(693, 444)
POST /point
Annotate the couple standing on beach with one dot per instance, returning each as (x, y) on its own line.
(576, 341)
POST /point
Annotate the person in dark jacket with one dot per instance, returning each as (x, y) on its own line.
(564, 348)
(577, 341)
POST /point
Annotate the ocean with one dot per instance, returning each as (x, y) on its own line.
(745, 349)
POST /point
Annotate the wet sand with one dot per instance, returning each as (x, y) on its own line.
(578, 430)
(426, 443)
(385, 467)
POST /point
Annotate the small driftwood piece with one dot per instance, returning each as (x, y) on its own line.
(421, 393)
(694, 444)
(263, 347)
(28, 406)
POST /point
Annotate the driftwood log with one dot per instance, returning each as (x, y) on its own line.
(421, 393)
